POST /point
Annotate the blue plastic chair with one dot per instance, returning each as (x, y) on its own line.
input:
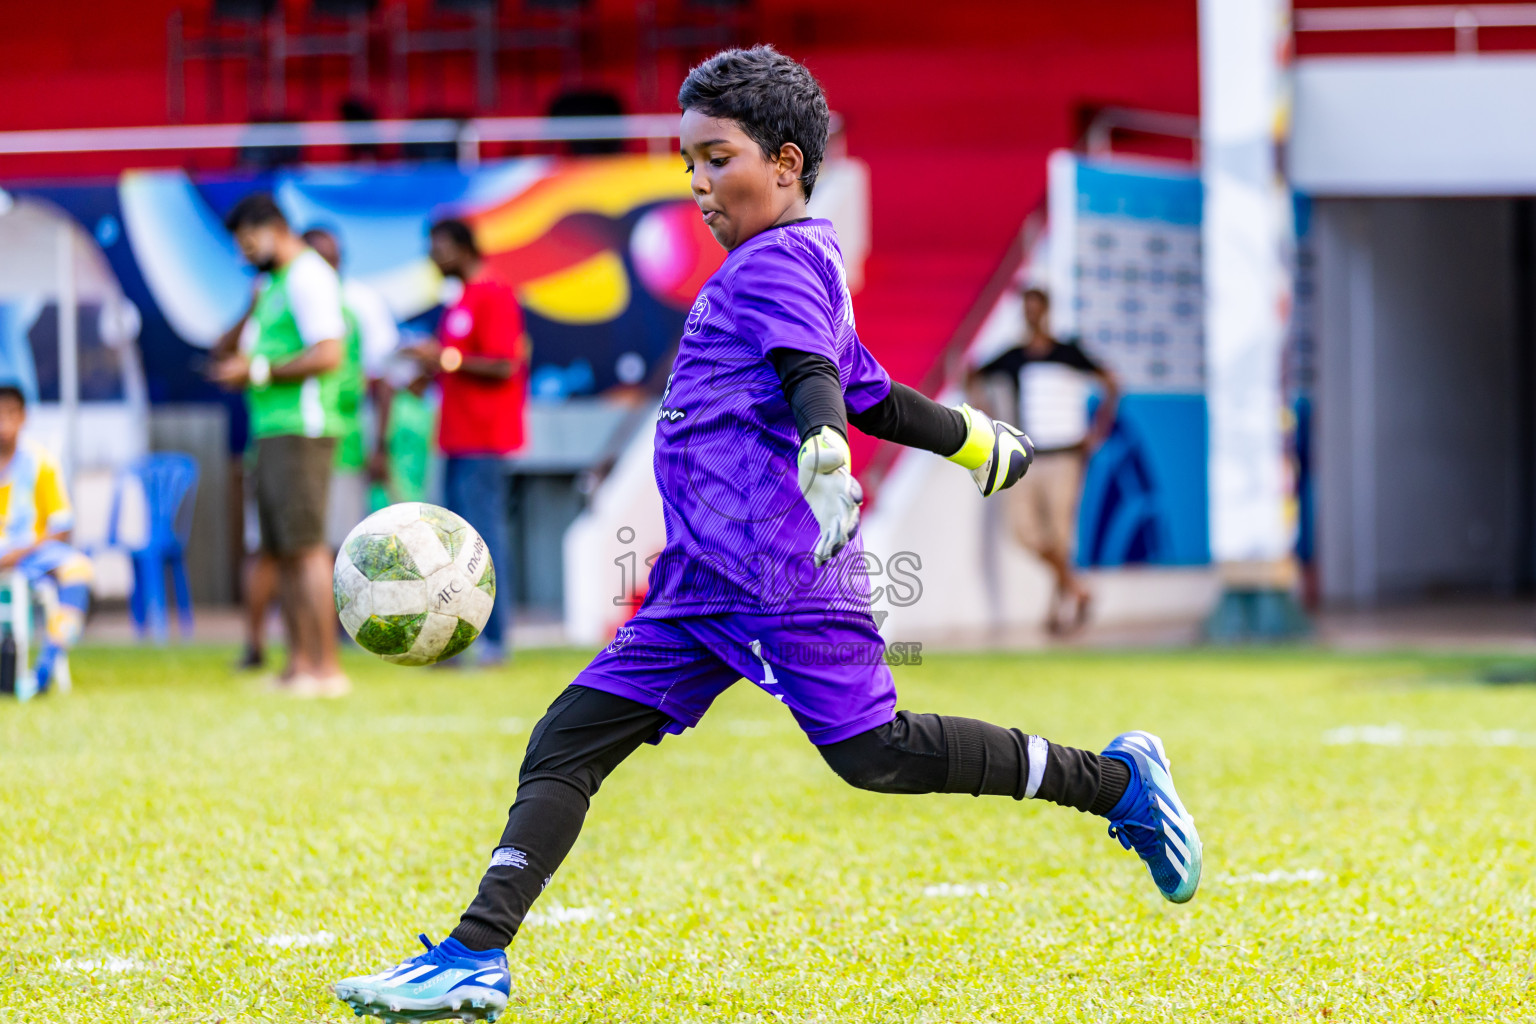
(169, 482)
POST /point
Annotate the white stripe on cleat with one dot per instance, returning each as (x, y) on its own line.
(1180, 868)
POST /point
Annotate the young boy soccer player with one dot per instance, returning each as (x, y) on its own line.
(762, 513)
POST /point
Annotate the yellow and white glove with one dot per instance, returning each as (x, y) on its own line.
(830, 489)
(997, 454)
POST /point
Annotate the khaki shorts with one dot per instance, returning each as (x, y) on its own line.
(293, 480)
(1042, 507)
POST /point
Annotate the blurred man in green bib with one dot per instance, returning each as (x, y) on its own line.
(288, 358)
(371, 341)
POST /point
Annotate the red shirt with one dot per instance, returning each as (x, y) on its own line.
(482, 416)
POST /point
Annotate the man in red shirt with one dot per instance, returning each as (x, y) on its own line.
(481, 364)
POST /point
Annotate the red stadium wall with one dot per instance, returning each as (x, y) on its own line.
(953, 105)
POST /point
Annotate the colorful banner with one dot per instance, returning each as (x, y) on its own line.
(606, 254)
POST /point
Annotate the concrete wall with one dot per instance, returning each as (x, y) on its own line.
(1443, 124)
(213, 551)
(1421, 391)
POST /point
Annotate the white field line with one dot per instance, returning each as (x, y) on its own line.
(105, 965)
(1395, 735)
(298, 941)
(953, 890)
(558, 915)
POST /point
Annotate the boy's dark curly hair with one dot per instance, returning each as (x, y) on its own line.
(774, 99)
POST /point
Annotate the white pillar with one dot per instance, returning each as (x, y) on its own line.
(1061, 170)
(1246, 238)
(69, 347)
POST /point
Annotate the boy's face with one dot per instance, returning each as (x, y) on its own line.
(739, 191)
(12, 415)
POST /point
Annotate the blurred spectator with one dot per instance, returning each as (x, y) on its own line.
(359, 110)
(372, 338)
(35, 509)
(1051, 380)
(481, 365)
(405, 424)
(284, 354)
(371, 341)
(589, 103)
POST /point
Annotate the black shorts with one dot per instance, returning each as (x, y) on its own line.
(293, 480)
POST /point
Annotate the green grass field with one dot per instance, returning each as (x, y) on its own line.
(180, 847)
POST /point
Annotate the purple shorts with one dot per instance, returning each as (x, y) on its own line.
(829, 669)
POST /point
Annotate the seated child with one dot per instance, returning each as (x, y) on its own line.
(35, 523)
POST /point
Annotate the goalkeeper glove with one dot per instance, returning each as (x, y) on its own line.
(997, 454)
(831, 491)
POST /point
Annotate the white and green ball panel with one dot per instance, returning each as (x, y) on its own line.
(475, 561)
(346, 583)
(451, 592)
(388, 519)
(414, 584)
(411, 552)
(419, 638)
(386, 616)
(451, 528)
(440, 637)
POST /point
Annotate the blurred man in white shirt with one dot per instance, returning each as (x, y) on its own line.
(1053, 381)
(378, 336)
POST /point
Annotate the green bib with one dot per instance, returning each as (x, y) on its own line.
(412, 428)
(309, 407)
(351, 450)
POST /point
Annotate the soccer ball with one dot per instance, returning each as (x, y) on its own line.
(414, 584)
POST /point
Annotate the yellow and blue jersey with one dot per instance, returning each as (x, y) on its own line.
(33, 501)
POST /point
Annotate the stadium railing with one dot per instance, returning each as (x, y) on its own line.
(468, 136)
(1465, 20)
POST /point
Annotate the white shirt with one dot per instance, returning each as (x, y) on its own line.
(1054, 400)
(375, 323)
(314, 298)
(1053, 391)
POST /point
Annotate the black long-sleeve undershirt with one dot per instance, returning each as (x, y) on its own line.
(908, 417)
(813, 390)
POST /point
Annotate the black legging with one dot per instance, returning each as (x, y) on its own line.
(586, 733)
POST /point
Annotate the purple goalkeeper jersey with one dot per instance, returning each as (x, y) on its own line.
(739, 533)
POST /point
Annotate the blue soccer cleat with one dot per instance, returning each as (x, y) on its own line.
(1150, 819)
(447, 982)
